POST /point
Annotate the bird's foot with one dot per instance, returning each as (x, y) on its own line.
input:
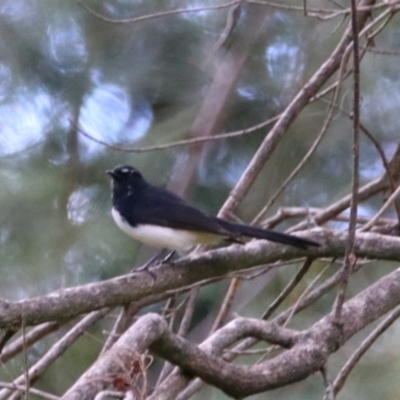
(146, 268)
(167, 258)
(154, 261)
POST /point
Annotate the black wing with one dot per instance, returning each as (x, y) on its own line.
(156, 206)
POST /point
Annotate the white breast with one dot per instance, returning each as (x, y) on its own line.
(163, 237)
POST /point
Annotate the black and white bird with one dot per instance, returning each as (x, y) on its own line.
(159, 218)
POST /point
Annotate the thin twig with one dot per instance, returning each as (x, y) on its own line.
(303, 162)
(288, 289)
(371, 187)
(391, 13)
(183, 328)
(226, 305)
(380, 151)
(365, 192)
(263, 269)
(303, 97)
(189, 309)
(384, 52)
(55, 352)
(231, 22)
(25, 360)
(178, 143)
(31, 337)
(37, 392)
(387, 204)
(285, 213)
(348, 261)
(363, 348)
(294, 309)
(330, 13)
(157, 14)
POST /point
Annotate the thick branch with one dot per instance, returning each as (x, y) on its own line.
(70, 302)
(309, 352)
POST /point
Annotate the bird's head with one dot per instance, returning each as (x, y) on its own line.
(125, 176)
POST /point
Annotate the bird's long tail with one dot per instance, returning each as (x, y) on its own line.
(259, 233)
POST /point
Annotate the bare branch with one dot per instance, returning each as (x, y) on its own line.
(288, 116)
(307, 353)
(54, 353)
(69, 302)
(364, 347)
(31, 337)
(157, 14)
(348, 259)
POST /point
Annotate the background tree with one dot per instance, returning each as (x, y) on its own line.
(284, 115)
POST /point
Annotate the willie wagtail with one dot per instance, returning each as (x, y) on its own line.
(159, 218)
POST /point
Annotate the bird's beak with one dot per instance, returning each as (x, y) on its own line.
(112, 173)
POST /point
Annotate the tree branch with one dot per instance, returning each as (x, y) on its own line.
(308, 352)
(70, 302)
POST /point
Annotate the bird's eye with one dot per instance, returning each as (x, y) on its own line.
(125, 171)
